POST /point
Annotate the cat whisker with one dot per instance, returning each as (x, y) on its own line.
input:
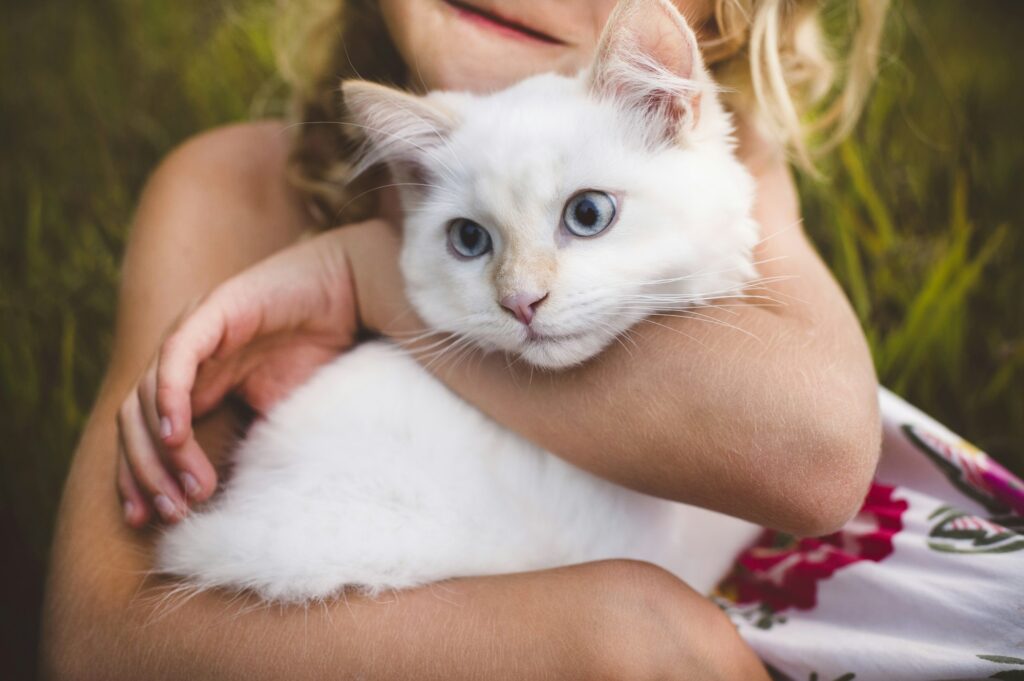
(441, 138)
(744, 291)
(446, 353)
(438, 586)
(453, 359)
(662, 309)
(449, 360)
(419, 351)
(751, 284)
(648, 320)
(168, 598)
(372, 155)
(423, 120)
(367, 161)
(460, 321)
(730, 308)
(784, 294)
(348, 58)
(689, 314)
(444, 140)
(678, 314)
(705, 272)
(674, 302)
(781, 230)
(618, 339)
(471, 351)
(341, 211)
(516, 358)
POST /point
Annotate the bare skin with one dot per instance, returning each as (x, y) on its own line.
(106, 620)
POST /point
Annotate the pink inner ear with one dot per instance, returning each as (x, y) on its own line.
(659, 35)
(646, 58)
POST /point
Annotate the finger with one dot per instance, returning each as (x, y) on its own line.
(177, 363)
(146, 392)
(146, 465)
(196, 474)
(214, 380)
(188, 462)
(135, 506)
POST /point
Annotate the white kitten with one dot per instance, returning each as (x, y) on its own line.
(543, 221)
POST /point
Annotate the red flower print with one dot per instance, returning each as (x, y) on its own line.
(781, 571)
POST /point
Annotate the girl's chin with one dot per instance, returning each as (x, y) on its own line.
(474, 60)
(467, 70)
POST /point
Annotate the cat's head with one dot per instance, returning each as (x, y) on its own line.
(547, 219)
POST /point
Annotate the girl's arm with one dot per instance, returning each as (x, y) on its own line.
(208, 213)
(768, 413)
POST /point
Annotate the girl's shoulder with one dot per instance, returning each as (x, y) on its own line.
(238, 169)
(249, 151)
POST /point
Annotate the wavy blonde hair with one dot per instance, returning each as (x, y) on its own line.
(771, 55)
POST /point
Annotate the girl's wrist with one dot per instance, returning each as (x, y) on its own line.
(371, 250)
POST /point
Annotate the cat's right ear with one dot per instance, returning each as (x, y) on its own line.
(399, 129)
(649, 63)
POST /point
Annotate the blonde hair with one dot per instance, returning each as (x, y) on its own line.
(770, 55)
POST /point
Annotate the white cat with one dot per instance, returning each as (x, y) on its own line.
(542, 221)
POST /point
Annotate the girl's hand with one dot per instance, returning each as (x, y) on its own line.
(258, 335)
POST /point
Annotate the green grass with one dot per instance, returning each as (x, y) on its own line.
(920, 218)
(93, 95)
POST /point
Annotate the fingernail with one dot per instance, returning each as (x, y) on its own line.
(129, 511)
(165, 507)
(191, 485)
(165, 427)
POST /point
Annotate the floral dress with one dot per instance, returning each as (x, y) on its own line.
(925, 583)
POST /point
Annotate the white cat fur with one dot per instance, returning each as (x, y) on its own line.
(374, 475)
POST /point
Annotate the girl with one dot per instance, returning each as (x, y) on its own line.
(782, 430)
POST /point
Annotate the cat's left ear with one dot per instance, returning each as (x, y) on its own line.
(648, 61)
(400, 129)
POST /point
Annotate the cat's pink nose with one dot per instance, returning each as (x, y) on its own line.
(523, 305)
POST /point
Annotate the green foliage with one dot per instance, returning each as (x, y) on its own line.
(920, 216)
(89, 111)
(93, 95)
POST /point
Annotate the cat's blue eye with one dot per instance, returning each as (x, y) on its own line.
(468, 239)
(589, 213)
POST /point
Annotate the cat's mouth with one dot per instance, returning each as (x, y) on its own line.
(533, 336)
(559, 350)
(508, 27)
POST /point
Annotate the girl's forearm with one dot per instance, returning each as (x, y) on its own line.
(763, 412)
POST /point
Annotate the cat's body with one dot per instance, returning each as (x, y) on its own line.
(542, 221)
(374, 475)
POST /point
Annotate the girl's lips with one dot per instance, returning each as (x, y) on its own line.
(498, 24)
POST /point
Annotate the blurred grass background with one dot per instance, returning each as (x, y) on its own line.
(920, 216)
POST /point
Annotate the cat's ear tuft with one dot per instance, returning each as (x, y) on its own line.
(397, 128)
(648, 61)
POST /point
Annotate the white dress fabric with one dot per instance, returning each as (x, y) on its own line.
(925, 583)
